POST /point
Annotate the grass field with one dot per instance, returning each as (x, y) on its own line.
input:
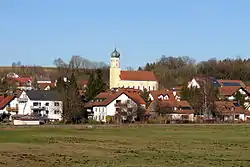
(170, 145)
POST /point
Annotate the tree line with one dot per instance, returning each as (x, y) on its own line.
(174, 71)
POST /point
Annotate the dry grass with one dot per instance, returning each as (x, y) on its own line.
(171, 145)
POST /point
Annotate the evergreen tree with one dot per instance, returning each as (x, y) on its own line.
(89, 95)
(239, 98)
(99, 83)
(145, 95)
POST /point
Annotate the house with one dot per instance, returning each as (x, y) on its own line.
(44, 79)
(164, 95)
(197, 82)
(42, 103)
(228, 92)
(113, 102)
(8, 104)
(24, 83)
(130, 79)
(46, 86)
(229, 110)
(175, 110)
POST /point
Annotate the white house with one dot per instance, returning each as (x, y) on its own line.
(42, 103)
(9, 104)
(110, 103)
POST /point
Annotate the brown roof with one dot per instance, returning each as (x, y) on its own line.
(179, 105)
(163, 92)
(225, 107)
(82, 82)
(108, 97)
(138, 76)
(228, 90)
(45, 85)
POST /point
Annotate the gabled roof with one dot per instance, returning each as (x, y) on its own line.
(228, 90)
(43, 95)
(179, 105)
(138, 76)
(107, 97)
(45, 85)
(6, 101)
(157, 93)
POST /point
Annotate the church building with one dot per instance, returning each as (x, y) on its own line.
(130, 79)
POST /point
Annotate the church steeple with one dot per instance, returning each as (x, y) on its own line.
(115, 53)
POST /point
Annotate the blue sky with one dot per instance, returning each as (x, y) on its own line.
(38, 31)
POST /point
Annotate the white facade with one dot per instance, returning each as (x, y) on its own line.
(141, 85)
(193, 84)
(49, 109)
(44, 82)
(189, 117)
(100, 112)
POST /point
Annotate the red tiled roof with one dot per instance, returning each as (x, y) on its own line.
(178, 105)
(5, 101)
(108, 97)
(45, 85)
(1, 98)
(23, 80)
(164, 92)
(228, 90)
(138, 76)
(225, 107)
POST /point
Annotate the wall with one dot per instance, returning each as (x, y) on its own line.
(21, 122)
(149, 85)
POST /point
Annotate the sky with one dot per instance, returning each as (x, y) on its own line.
(39, 31)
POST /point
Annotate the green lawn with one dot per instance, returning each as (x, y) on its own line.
(169, 145)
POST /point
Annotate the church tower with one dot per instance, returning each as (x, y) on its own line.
(114, 71)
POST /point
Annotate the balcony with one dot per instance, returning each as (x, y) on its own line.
(22, 99)
(37, 108)
(12, 109)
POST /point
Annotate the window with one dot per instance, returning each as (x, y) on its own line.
(118, 101)
(149, 88)
(47, 104)
(153, 88)
(56, 104)
(56, 112)
(36, 104)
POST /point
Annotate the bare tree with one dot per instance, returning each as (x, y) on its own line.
(127, 111)
(76, 62)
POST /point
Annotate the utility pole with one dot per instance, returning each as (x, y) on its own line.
(205, 98)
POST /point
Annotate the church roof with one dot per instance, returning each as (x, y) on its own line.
(138, 76)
